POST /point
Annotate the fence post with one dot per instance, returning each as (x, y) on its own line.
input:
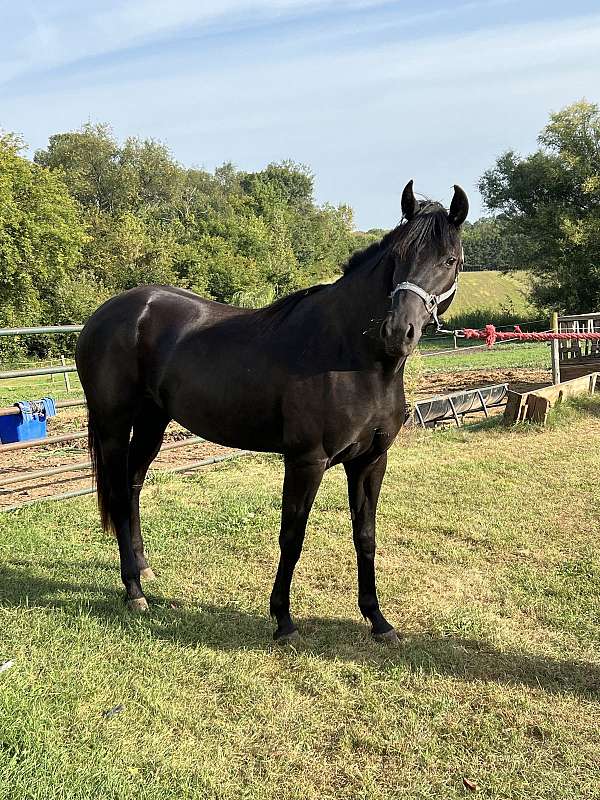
(66, 374)
(555, 351)
(455, 341)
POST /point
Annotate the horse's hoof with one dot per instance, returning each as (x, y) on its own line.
(147, 574)
(139, 605)
(389, 638)
(292, 638)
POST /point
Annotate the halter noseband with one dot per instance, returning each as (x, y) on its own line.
(431, 301)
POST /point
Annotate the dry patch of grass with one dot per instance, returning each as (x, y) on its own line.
(488, 563)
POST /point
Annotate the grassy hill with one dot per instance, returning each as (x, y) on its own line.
(501, 295)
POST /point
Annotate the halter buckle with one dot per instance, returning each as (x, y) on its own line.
(431, 303)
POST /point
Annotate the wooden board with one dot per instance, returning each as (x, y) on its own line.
(534, 406)
(573, 369)
(516, 407)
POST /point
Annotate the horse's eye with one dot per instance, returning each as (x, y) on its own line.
(450, 262)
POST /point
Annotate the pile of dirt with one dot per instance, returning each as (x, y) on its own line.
(519, 380)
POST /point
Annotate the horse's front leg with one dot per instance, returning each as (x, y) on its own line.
(300, 486)
(365, 476)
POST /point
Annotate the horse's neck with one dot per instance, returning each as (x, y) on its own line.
(361, 301)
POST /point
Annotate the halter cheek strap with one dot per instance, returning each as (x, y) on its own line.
(431, 301)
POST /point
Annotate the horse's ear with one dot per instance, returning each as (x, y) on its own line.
(459, 207)
(410, 205)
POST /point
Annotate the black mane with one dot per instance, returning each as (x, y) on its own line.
(362, 256)
(430, 224)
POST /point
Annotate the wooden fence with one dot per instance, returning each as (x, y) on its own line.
(575, 358)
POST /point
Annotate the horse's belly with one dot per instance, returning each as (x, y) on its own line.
(225, 406)
(228, 432)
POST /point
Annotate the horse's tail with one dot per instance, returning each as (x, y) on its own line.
(99, 474)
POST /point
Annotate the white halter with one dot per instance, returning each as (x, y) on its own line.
(431, 301)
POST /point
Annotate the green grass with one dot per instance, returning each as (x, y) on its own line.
(504, 356)
(504, 294)
(488, 564)
(35, 388)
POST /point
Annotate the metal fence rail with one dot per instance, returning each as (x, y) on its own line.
(78, 465)
(10, 411)
(31, 373)
(90, 489)
(41, 329)
(27, 443)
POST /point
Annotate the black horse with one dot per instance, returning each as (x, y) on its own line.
(316, 376)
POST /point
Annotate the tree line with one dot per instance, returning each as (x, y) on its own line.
(90, 217)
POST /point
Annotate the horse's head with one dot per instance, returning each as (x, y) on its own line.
(427, 256)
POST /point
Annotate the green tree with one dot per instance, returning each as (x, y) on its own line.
(151, 220)
(551, 201)
(41, 239)
(88, 161)
(491, 243)
(285, 184)
(125, 250)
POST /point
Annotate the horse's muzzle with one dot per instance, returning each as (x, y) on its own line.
(400, 333)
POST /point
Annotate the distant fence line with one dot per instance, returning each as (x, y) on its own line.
(65, 469)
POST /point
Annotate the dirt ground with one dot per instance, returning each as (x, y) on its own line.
(520, 380)
(21, 462)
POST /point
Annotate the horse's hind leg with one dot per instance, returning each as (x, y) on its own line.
(112, 478)
(148, 431)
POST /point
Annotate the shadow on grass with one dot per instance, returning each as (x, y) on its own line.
(229, 628)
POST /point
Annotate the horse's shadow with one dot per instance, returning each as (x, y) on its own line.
(231, 628)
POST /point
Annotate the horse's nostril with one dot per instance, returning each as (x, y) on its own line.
(410, 331)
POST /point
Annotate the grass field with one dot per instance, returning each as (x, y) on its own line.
(483, 290)
(32, 388)
(535, 355)
(488, 565)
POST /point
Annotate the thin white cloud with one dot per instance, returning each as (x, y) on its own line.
(56, 34)
(66, 32)
(439, 109)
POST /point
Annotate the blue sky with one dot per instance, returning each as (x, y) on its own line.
(367, 93)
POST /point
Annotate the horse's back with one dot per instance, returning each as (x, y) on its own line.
(124, 342)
